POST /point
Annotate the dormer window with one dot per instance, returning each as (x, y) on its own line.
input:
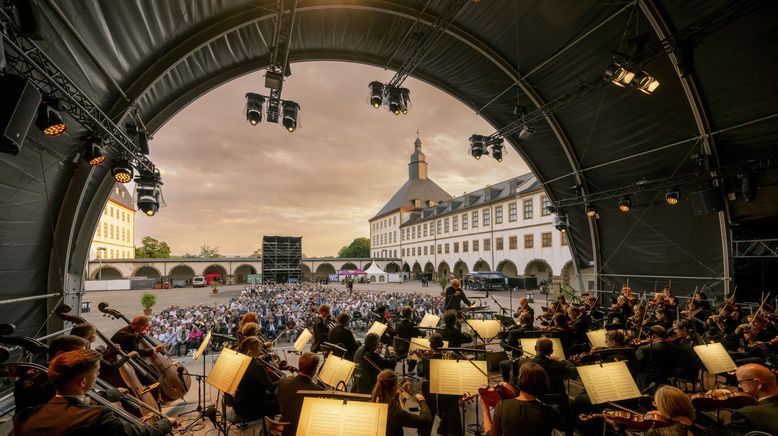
(416, 203)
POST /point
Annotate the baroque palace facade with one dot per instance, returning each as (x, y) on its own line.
(114, 237)
(503, 227)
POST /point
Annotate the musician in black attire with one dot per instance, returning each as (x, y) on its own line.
(451, 331)
(321, 331)
(405, 331)
(290, 403)
(454, 297)
(658, 360)
(128, 337)
(444, 406)
(369, 363)
(579, 325)
(386, 391)
(343, 336)
(511, 344)
(256, 393)
(385, 317)
(73, 374)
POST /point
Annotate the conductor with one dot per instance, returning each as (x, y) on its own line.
(454, 297)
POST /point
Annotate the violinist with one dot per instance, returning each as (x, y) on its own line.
(757, 335)
(255, 396)
(452, 333)
(128, 337)
(369, 363)
(579, 325)
(657, 360)
(562, 330)
(626, 292)
(387, 391)
(343, 336)
(444, 406)
(321, 330)
(511, 343)
(675, 411)
(696, 313)
(524, 307)
(620, 310)
(548, 314)
(760, 382)
(73, 374)
(384, 316)
(666, 299)
(406, 330)
(290, 403)
(721, 327)
(526, 414)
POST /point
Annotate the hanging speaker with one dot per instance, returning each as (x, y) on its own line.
(706, 201)
(17, 112)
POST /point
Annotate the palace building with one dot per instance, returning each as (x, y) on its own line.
(114, 237)
(504, 227)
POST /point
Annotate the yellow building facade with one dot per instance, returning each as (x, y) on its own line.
(114, 237)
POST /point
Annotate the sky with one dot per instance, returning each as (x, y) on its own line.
(227, 183)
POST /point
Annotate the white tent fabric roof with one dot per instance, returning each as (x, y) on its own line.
(374, 269)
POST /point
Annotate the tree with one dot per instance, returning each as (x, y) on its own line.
(207, 252)
(359, 247)
(152, 249)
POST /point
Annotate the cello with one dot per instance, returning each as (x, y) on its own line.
(174, 378)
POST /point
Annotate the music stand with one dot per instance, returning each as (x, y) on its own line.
(226, 375)
(200, 383)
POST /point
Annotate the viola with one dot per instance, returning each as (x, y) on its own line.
(491, 395)
(633, 421)
(721, 399)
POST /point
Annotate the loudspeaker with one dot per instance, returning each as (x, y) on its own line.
(706, 201)
(17, 112)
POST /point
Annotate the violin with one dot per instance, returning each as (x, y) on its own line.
(491, 395)
(721, 399)
(629, 420)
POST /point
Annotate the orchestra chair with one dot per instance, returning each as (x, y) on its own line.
(244, 427)
(274, 427)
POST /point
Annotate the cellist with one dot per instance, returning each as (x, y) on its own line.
(129, 336)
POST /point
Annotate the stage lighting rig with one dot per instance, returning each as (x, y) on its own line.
(376, 94)
(672, 196)
(287, 110)
(49, 121)
(121, 170)
(291, 111)
(148, 191)
(560, 221)
(93, 150)
(254, 104)
(497, 149)
(479, 146)
(591, 210)
(625, 204)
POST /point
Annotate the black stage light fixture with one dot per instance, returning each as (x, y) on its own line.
(395, 100)
(291, 111)
(376, 94)
(497, 148)
(406, 99)
(645, 83)
(273, 112)
(122, 170)
(148, 190)
(560, 222)
(478, 146)
(49, 120)
(254, 103)
(672, 196)
(526, 132)
(619, 75)
(139, 136)
(591, 211)
(93, 150)
(625, 204)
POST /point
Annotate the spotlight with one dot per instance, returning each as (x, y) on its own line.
(560, 222)
(291, 110)
(121, 170)
(478, 144)
(591, 211)
(672, 196)
(93, 150)
(396, 100)
(254, 103)
(645, 83)
(147, 191)
(619, 75)
(497, 147)
(625, 204)
(49, 120)
(406, 96)
(376, 94)
(526, 132)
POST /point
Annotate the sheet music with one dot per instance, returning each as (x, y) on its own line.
(228, 371)
(608, 382)
(377, 328)
(336, 369)
(715, 358)
(486, 328)
(429, 320)
(422, 344)
(202, 347)
(326, 417)
(528, 344)
(303, 339)
(597, 338)
(457, 377)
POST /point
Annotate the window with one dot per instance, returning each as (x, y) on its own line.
(112, 234)
(413, 232)
(105, 229)
(498, 215)
(413, 251)
(511, 212)
(111, 254)
(475, 218)
(487, 244)
(425, 250)
(464, 246)
(487, 217)
(98, 232)
(111, 216)
(545, 239)
(440, 225)
(513, 242)
(402, 250)
(528, 209)
(445, 226)
(498, 244)
(440, 249)
(394, 236)
(456, 247)
(432, 249)
(447, 248)
(418, 230)
(563, 238)
(544, 205)
(529, 241)
(425, 229)
(475, 245)
(464, 221)
(454, 223)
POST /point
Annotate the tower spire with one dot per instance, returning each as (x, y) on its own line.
(417, 168)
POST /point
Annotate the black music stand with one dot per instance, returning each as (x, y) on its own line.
(200, 383)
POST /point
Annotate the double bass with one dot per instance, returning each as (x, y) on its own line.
(174, 379)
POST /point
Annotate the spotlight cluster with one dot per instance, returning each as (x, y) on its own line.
(479, 146)
(49, 120)
(395, 99)
(148, 191)
(288, 110)
(623, 77)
